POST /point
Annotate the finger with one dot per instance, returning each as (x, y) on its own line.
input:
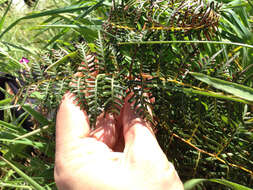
(105, 130)
(71, 123)
(141, 145)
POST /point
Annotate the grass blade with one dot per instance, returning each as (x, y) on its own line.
(39, 117)
(193, 182)
(65, 30)
(18, 47)
(65, 58)
(188, 185)
(215, 95)
(230, 184)
(4, 16)
(25, 142)
(8, 125)
(23, 175)
(69, 9)
(32, 133)
(14, 186)
(5, 101)
(232, 88)
(6, 54)
(187, 42)
(91, 27)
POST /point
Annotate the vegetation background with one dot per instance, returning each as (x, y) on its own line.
(195, 57)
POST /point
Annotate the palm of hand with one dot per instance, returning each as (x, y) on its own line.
(86, 160)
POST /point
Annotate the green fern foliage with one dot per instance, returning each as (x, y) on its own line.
(205, 131)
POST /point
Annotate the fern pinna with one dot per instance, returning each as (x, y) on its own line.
(202, 135)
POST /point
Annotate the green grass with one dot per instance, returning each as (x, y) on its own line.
(24, 40)
(27, 155)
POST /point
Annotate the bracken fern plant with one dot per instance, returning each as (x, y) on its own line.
(191, 56)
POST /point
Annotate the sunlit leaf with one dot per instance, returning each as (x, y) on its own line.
(232, 88)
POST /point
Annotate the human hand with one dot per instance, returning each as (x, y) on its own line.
(87, 160)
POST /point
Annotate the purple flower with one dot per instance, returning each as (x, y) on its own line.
(24, 60)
